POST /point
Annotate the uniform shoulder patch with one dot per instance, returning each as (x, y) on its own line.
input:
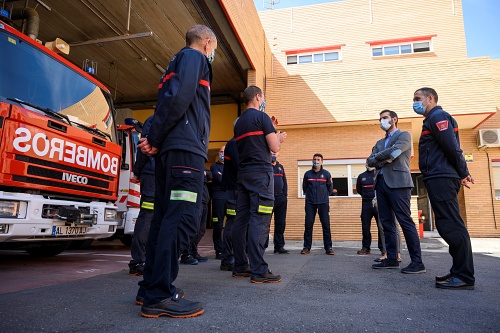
(442, 125)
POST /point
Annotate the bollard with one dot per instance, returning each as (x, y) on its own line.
(420, 224)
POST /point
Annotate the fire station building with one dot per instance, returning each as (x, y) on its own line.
(328, 70)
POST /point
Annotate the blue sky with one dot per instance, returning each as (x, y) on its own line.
(481, 21)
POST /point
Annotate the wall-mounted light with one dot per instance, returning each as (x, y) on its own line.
(160, 68)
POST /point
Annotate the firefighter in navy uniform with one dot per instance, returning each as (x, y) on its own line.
(280, 205)
(444, 170)
(218, 203)
(256, 138)
(178, 139)
(144, 171)
(365, 188)
(317, 186)
(230, 186)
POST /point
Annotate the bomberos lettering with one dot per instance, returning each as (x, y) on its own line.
(67, 151)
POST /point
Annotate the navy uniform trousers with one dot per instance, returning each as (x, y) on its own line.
(396, 202)
(368, 211)
(253, 212)
(218, 207)
(324, 217)
(143, 222)
(280, 206)
(443, 196)
(178, 195)
(227, 238)
(202, 229)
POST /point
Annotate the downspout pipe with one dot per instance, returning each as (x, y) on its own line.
(32, 19)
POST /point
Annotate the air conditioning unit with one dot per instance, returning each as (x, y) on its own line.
(488, 138)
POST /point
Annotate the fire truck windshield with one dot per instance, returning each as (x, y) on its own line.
(29, 74)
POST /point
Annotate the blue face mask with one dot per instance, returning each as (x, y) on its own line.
(418, 107)
(221, 156)
(262, 106)
(211, 57)
(273, 159)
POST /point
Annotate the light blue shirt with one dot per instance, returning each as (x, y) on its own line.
(387, 138)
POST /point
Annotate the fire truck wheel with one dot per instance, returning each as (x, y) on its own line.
(48, 250)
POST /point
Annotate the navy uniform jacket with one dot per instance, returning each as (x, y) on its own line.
(317, 186)
(231, 161)
(144, 164)
(217, 171)
(280, 183)
(365, 185)
(182, 117)
(439, 147)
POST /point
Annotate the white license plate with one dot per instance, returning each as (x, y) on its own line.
(65, 230)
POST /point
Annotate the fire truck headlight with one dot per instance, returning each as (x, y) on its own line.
(4, 228)
(9, 208)
(110, 215)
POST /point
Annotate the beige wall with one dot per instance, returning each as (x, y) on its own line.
(333, 107)
(349, 22)
(246, 24)
(347, 90)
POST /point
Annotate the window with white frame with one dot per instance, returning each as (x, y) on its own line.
(405, 48)
(308, 58)
(495, 168)
(344, 175)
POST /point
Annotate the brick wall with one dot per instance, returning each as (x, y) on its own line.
(333, 107)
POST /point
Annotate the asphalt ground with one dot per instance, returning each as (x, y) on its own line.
(318, 293)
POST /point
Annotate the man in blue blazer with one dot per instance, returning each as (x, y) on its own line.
(393, 184)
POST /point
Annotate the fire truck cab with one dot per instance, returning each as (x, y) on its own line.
(59, 160)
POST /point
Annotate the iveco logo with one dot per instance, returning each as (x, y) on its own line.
(74, 178)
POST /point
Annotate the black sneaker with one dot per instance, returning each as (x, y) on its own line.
(139, 300)
(189, 260)
(226, 267)
(218, 256)
(269, 277)
(175, 307)
(281, 251)
(136, 270)
(414, 268)
(246, 273)
(454, 282)
(200, 258)
(386, 264)
(329, 251)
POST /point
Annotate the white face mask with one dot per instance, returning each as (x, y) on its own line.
(385, 124)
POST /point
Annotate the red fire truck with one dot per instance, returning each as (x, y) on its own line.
(59, 160)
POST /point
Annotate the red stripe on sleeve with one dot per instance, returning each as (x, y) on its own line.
(168, 76)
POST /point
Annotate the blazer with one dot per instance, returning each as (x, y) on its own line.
(396, 173)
